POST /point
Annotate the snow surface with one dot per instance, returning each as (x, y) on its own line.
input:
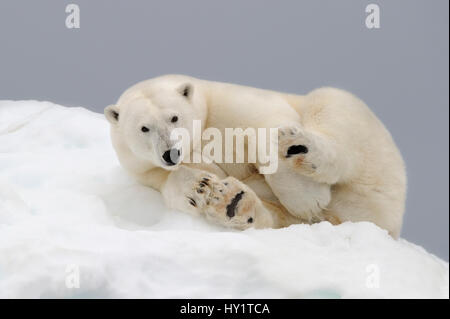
(67, 207)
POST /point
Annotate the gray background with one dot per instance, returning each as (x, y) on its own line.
(400, 70)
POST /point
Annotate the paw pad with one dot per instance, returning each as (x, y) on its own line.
(296, 149)
(231, 208)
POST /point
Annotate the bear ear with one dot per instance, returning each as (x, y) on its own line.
(186, 90)
(112, 114)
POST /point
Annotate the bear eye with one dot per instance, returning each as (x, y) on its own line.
(144, 129)
(174, 119)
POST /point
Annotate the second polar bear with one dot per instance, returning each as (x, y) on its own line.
(336, 160)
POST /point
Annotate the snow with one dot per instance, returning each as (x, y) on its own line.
(68, 210)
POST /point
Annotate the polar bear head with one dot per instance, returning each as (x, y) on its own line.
(145, 116)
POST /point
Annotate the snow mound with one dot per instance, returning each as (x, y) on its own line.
(70, 217)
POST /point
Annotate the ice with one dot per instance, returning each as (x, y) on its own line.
(68, 211)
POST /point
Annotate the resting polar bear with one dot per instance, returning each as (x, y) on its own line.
(337, 161)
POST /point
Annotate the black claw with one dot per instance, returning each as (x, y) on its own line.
(192, 202)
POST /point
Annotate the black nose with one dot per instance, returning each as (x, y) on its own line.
(171, 156)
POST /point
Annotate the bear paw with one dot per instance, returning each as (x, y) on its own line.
(227, 202)
(295, 147)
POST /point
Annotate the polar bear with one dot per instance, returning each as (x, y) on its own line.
(336, 160)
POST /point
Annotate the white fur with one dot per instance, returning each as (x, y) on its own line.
(352, 171)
